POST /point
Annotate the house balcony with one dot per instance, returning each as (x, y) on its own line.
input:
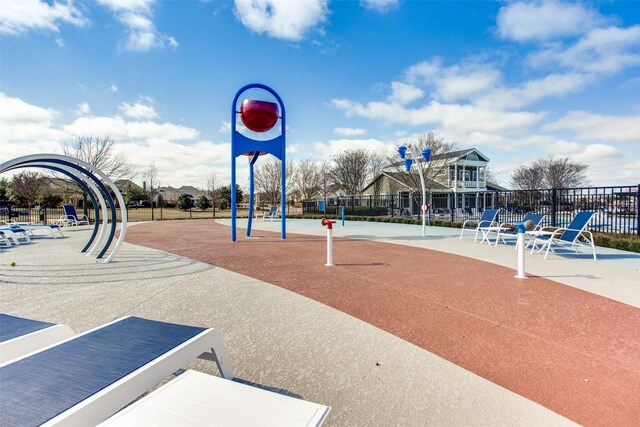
(467, 185)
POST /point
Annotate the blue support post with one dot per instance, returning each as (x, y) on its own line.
(343, 216)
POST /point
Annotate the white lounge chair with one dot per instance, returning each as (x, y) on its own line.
(87, 378)
(272, 214)
(51, 230)
(20, 336)
(506, 230)
(575, 235)
(4, 241)
(16, 234)
(488, 219)
(195, 398)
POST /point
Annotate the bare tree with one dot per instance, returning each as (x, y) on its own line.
(99, 152)
(527, 177)
(350, 170)
(434, 170)
(267, 175)
(549, 172)
(377, 163)
(309, 177)
(27, 186)
(212, 185)
(151, 177)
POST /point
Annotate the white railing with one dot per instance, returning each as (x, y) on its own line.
(468, 184)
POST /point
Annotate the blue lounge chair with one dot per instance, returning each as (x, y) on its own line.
(488, 219)
(272, 214)
(574, 235)
(86, 379)
(20, 336)
(72, 218)
(15, 234)
(507, 230)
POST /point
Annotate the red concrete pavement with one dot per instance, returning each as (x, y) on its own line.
(574, 352)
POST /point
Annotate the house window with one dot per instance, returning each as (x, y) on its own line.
(472, 156)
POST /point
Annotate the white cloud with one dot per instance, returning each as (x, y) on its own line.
(349, 131)
(83, 109)
(20, 16)
(403, 93)
(547, 20)
(136, 16)
(464, 118)
(120, 129)
(113, 88)
(138, 111)
(534, 90)
(26, 123)
(380, 6)
(335, 146)
(589, 126)
(282, 19)
(602, 50)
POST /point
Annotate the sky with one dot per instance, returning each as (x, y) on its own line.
(516, 80)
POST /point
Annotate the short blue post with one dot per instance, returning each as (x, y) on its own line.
(343, 216)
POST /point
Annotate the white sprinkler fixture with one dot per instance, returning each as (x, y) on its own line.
(522, 228)
(329, 224)
(411, 156)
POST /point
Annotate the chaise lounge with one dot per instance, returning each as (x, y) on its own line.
(20, 336)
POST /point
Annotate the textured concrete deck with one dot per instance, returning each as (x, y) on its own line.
(280, 338)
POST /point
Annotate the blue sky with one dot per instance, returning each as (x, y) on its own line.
(517, 80)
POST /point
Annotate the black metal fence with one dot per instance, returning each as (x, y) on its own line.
(618, 208)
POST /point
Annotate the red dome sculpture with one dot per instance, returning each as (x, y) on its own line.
(259, 116)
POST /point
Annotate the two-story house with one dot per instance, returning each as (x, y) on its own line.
(455, 180)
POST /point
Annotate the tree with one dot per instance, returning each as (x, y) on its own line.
(309, 178)
(153, 182)
(377, 163)
(549, 172)
(184, 202)
(203, 203)
(4, 190)
(434, 170)
(267, 175)
(350, 170)
(224, 195)
(212, 184)
(99, 152)
(27, 186)
(134, 194)
(49, 199)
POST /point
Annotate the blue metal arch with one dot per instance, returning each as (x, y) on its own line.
(100, 185)
(241, 144)
(112, 205)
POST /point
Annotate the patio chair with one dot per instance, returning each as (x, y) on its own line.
(52, 230)
(4, 241)
(87, 378)
(507, 230)
(272, 214)
(16, 234)
(488, 219)
(574, 235)
(20, 336)
(72, 218)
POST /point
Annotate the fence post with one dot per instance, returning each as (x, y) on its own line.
(638, 210)
(554, 206)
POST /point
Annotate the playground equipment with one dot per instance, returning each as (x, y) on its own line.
(411, 156)
(259, 117)
(94, 182)
(329, 224)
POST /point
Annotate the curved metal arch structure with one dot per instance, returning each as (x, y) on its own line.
(90, 173)
(243, 145)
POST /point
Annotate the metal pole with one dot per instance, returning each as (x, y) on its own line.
(329, 247)
(521, 274)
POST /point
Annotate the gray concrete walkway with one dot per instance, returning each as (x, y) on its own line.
(279, 339)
